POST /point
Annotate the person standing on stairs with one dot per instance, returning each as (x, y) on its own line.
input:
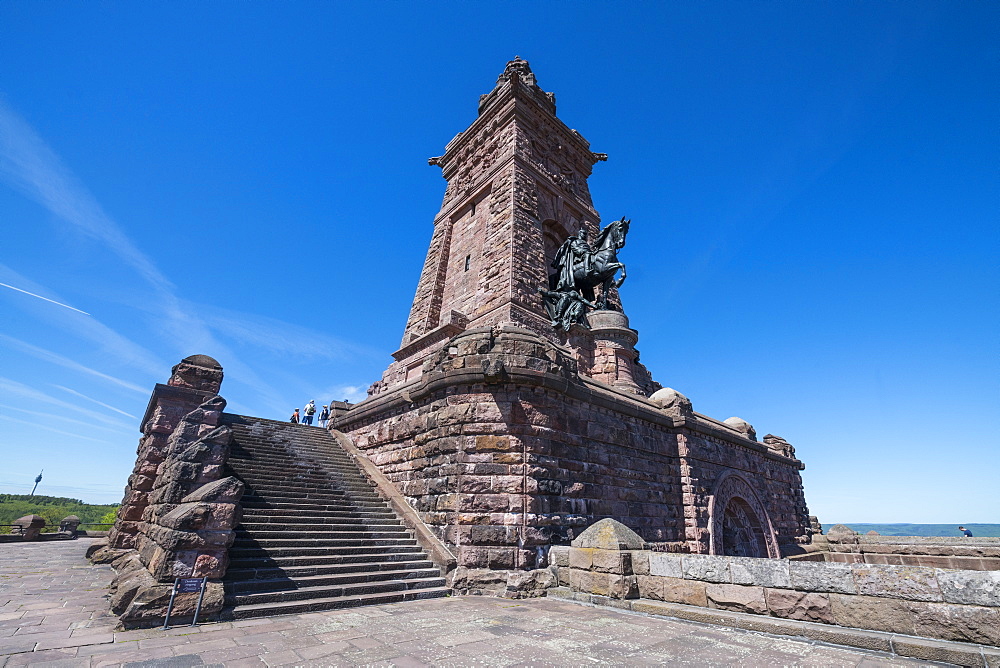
(310, 410)
(295, 417)
(324, 416)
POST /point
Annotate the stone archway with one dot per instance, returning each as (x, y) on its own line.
(739, 525)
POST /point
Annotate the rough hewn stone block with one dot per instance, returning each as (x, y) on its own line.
(650, 587)
(667, 565)
(908, 582)
(689, 592)
(706, 568)
(965, 623)
(821, 577)
(640, 562)
(612, 561)
(876, 614)
(736, 597)
(792, 604)
(970, 587)
(591, 583)
(762, 572)
(581, 557)
(559, 555)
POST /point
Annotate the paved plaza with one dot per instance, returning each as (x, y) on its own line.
(54, 612)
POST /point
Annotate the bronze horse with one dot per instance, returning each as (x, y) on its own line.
(603, 264)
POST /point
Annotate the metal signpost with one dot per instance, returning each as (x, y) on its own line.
(186, 586)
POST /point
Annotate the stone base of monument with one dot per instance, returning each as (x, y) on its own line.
(506, 448)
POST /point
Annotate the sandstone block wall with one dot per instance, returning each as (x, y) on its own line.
(505, 449)
(932, 602)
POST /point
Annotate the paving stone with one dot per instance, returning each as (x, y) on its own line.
(182, 661)
(30, 658)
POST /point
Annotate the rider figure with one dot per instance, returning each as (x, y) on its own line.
(575, 252)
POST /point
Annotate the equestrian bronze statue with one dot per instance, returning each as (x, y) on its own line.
(579, 269)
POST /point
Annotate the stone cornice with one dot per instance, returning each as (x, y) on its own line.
(580, 388)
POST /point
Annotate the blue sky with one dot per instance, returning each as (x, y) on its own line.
(813, 189)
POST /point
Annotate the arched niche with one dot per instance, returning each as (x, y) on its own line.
(739, 525)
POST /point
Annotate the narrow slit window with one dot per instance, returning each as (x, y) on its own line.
(468, 262)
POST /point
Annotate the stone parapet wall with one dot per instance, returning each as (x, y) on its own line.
(953, 605)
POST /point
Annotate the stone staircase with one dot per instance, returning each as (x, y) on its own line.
(315, 535)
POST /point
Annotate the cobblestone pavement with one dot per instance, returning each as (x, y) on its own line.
(54, 611)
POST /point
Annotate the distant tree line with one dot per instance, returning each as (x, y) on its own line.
(53, 509)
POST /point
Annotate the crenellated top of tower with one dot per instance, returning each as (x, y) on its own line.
(518, 73)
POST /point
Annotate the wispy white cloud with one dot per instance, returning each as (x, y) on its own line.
(113, 344)
(12, 388)
(351, 393)
(32, 294)
(30, 166)
(64, 420)
(49, 356)
(99, 403)
(277, 336)
(41, 425)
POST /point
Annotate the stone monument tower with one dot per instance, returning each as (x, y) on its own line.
(516, 412)
(517, 188)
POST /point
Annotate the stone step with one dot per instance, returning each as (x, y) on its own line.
(260, 528)
(296, 572)
(265, 516)
(257, 559)
(328, 591)
(274, 545)
(289, 517)
(330, 603)
(327, 534)
(264, 503)
(303, 465)
(310, 495)
(315, 534)
(267, 478)
(253, 553)
(288, 583)
(332, 489)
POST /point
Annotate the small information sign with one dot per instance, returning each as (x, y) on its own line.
(186, 586)
(189, 585)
